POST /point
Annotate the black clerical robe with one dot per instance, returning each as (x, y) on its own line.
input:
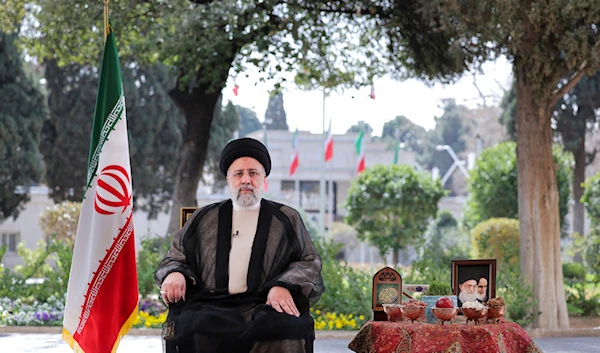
(212, 320)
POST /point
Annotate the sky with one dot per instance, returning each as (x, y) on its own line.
(411, 98)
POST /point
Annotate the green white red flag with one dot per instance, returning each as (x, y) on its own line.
(360, 151)
(294, 160)
(102, 296)
(329, 145)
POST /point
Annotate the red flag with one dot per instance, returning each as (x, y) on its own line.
(372, 95)
(329, 145)
(235, 87)
(102, 296)
(294, 161)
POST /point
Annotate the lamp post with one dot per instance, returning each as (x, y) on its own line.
(456, 164)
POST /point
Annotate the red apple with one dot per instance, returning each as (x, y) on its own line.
(444, 302)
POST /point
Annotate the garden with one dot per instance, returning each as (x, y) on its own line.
(33, 294)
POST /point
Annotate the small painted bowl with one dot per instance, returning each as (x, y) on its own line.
(393, 312)
(494, 314)
(413, 313)
(444, 314)
(474, 314)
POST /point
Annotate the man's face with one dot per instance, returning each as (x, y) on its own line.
(468, 286)
(482, 286)
(467, 291)
(246, 180)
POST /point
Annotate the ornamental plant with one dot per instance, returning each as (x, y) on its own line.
(391, 206)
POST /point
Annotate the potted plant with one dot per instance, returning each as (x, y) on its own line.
(436, 291)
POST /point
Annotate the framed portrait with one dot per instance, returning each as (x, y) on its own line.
(184, 214)
(474, 280)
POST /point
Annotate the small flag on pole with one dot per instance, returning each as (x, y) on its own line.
(329, 145)
(102, 296)
(360, 151)
(372, 94)
(294, 161)
(236, 88)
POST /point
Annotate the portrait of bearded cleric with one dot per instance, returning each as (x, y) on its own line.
(473, 280)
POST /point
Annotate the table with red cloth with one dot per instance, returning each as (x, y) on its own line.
(401, 337)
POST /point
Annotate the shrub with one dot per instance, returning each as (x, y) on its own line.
(573, 271)
(517, 295)
(591, 199)
(61, 220)
(493, 184)
(444, 241)
(348, 290)
(496, 238)
(439, 288)
(149, 256)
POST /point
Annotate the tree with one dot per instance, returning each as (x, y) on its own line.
(361, 125)
(202, 41)
(22, 111)
(574, 116)
(509, 112)
(551, 44)
(275, 117)
(391, 206)
(65, 138)
(248, 121)
(226, 123)
(411, 134)
(493, 187)
(577, 114)
(450, 129)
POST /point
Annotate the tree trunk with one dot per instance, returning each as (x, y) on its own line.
(578, 179)
(197, 107)
(538, 208)
(396, 257)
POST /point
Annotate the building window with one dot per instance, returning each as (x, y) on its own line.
(309, 194)
(10, 240)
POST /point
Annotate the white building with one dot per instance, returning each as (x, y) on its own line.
(341, 170)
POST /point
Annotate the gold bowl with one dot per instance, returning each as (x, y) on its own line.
(494, 314)
(413, 313)
(444, 314)
(474, 314)
(393, 312)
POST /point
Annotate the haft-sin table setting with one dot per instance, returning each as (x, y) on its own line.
(402, 327)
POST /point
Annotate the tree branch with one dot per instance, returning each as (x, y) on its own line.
(564, 89)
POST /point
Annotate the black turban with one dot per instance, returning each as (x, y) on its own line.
(244, 147)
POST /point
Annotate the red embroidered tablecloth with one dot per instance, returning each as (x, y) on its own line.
(399, 337)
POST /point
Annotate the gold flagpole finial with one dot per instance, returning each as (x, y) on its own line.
(106, 27)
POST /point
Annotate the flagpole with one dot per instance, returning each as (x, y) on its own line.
(322, 182)
(105, 19)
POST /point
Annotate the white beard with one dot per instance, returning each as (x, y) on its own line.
(246, 200)
(466, 297)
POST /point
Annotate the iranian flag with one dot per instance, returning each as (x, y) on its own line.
(360, 151)
(329, 145)
(294, 159)
(102, 296)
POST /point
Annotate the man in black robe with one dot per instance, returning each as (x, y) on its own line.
(241, 274)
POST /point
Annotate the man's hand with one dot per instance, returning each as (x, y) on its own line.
(173, 288)
(281, 300)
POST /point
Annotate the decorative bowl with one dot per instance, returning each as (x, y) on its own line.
(494, 314)
(413, 313)
(444, 314)
(393, 312)
(474, 314)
